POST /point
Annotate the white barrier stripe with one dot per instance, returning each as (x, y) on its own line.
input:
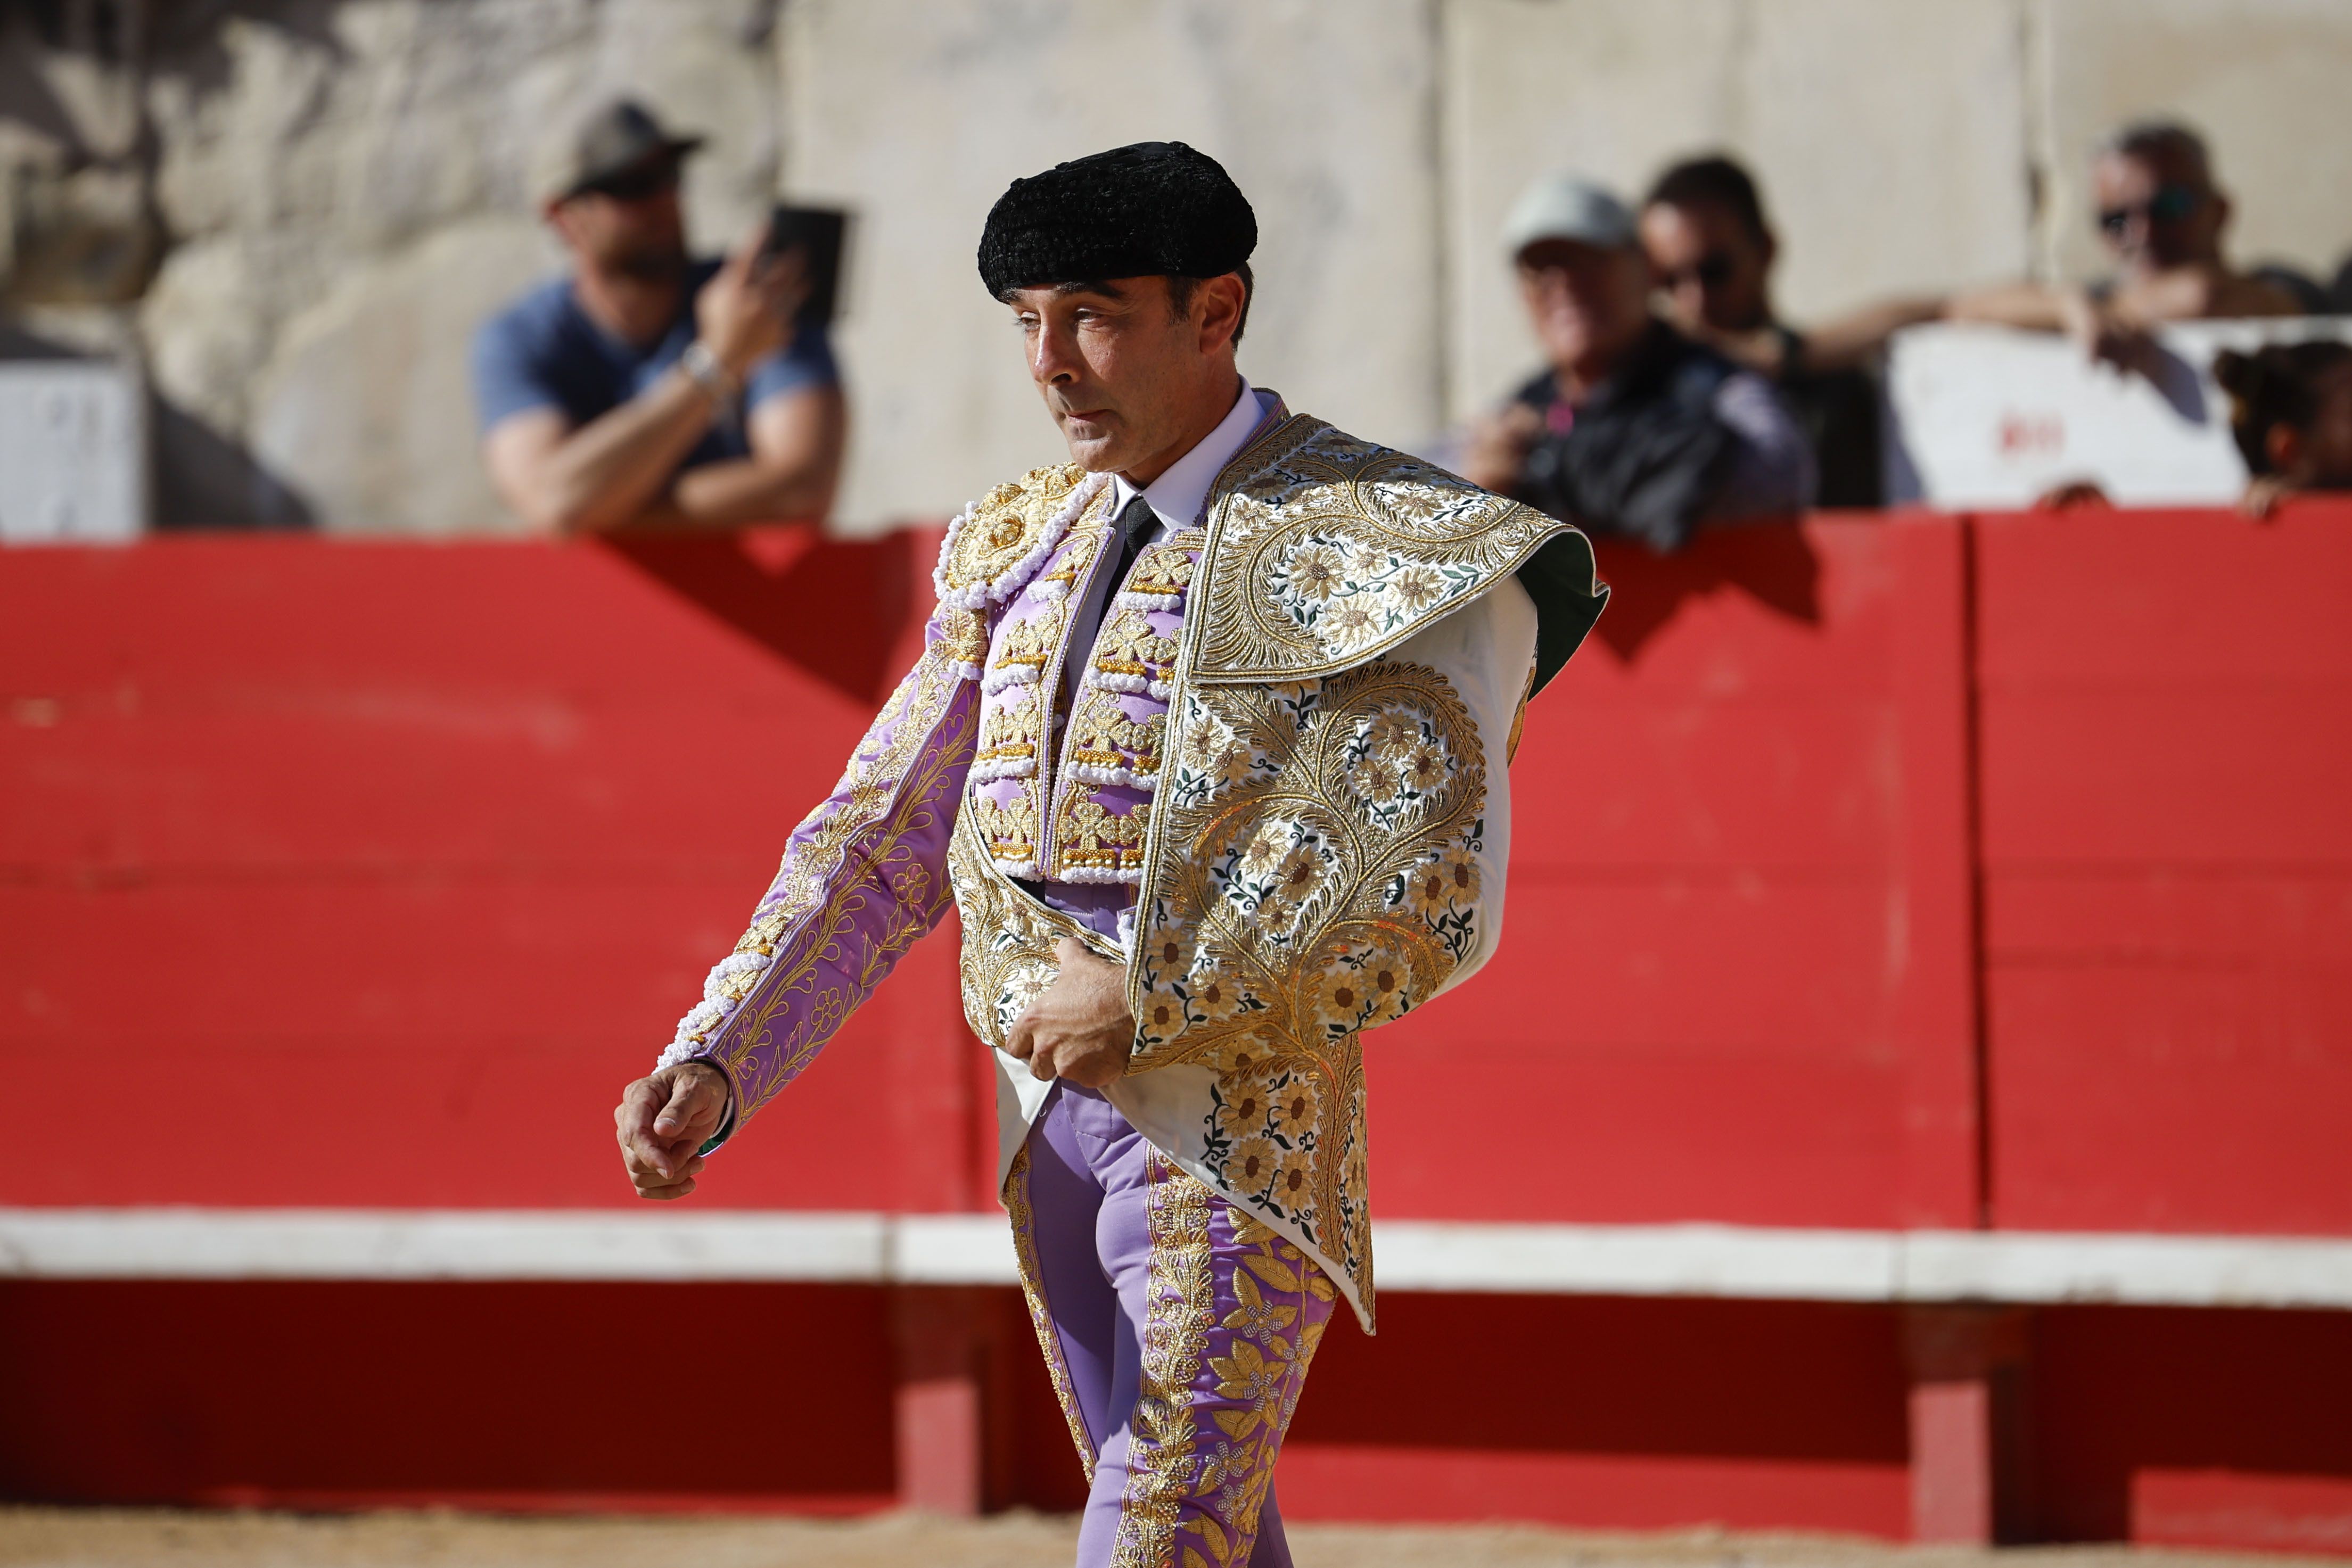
(1754, 1262)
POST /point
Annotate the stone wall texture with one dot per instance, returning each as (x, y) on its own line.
(293, 212)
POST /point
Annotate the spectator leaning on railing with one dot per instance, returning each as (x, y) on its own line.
(2162, 217)
(1633, 429)
(648, 390)
(2290, 411)
(1712, 251)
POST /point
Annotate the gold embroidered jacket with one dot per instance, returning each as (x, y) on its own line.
(1291, 738)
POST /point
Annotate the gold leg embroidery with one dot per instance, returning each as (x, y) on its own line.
(1181, 1310)
(1041, 1316)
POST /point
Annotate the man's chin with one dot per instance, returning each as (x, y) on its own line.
(1100, 452)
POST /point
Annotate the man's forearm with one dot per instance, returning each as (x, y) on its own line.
(743, 490)
(612, 469)
(2030, 307)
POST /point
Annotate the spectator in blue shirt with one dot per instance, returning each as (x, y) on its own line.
(648, 390)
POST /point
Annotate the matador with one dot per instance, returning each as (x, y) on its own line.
(1208, 745)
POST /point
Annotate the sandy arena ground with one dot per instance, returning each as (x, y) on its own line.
(110, 1538)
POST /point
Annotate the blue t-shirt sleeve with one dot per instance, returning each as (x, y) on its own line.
(509, 374)
(805, 362)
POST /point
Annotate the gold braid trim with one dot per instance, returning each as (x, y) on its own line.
(1181, 1311)
(1041, 1314)
(811, 918)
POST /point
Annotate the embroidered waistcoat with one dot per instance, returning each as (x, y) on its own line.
(1301, 807)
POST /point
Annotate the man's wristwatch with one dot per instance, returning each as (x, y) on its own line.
(716, 379)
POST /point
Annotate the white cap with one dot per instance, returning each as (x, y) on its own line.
(1569, 207)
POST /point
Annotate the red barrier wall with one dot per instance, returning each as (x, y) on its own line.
(1923, 872)
(2167, 865)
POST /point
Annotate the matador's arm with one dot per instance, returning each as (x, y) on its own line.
(863, 878)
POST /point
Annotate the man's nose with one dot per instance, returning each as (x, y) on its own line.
(1052, 357)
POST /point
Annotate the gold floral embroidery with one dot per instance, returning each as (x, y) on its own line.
(1008, 828)
(1126, 645)
(1041, 1316)
(965, 636)
(1029, 642)
(1180, 1307)
(1103, 735)
(1023, 674)
(1009, 727)
(1314, 873)
(1089, 834)
(1073, 561)
(990, 550)
(1326, 551)
(1008, 935)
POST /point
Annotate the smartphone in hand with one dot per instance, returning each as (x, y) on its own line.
(822, 236)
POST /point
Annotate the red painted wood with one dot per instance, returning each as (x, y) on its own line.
(1606, 1413)
(346, 1395)
(1736, 981)
(371, 872)
(2192, 1428)
(451, 833)
(2169, 870)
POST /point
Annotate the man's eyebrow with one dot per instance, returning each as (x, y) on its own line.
(1101, 286)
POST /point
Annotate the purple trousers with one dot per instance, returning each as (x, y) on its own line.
(1177, 1331)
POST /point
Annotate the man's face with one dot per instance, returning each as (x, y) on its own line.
(1116, 365)
(2158, 211)
(1711, 270)
(1589, 304)
(629, 224)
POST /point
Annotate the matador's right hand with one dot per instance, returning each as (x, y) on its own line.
(663, 1120)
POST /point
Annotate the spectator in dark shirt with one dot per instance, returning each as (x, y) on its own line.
(1633, 429)
(1712, 248)
(647, 390)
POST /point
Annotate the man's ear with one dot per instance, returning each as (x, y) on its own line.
(1219, 301)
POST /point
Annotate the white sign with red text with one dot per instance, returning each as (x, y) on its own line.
(1987, 416)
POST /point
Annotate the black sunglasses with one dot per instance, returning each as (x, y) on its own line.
(2169, 205)
(636, 185)
(1712, 270)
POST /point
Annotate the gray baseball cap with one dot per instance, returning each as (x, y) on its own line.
(1569, 207)
(611, 139)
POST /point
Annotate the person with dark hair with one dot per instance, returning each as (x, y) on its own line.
(1209, 746)
(1712, 251)
(1633, 428)
(2161, 216)
(649, 390)
(2291, 413)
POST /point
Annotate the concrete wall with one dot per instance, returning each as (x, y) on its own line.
(920, 113)
(294, 209)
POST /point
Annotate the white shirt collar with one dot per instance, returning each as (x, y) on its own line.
(1177, 496)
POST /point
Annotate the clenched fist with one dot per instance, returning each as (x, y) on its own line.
(663, 1120)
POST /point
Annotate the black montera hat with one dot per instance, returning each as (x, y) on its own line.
(1153, 207)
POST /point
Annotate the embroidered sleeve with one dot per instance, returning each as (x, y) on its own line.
(863, 878)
